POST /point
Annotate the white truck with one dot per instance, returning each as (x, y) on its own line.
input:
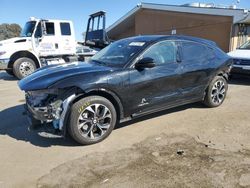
(45, 42)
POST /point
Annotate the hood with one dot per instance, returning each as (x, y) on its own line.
(14, 40)
(240, 54)
(46, 76)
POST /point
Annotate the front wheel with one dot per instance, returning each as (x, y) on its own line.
(216, 92)
(23, 67)
(92, 119)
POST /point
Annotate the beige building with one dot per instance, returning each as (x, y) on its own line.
(228, 27)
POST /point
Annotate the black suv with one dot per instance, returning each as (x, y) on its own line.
(127, 79)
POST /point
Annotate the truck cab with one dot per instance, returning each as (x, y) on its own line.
(42, 42)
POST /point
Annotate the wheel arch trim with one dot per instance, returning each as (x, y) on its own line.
(25, 53)
(106, 93)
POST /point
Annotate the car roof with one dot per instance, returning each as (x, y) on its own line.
(155, 38)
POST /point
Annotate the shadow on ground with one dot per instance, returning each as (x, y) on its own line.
(6, 77)
(161, 113)
(15, 125)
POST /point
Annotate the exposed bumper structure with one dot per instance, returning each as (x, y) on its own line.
(55, 112)
(39, 113)
(4, 64)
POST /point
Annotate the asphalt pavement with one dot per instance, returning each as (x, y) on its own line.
(166, 149)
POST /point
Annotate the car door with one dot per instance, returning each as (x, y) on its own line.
(155, 87)
(196, 67)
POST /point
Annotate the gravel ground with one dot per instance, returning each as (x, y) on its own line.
(188, 146)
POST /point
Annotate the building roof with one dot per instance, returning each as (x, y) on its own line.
(237, 14)
(245, 20)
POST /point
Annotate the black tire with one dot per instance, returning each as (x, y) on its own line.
(23, 67)
(9, 72)
(215, 98)
(79, 110)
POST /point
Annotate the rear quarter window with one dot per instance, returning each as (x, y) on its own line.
(196, 51)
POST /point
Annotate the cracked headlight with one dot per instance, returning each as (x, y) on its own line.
(41, 97)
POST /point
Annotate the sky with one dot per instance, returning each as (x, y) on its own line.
(78, 11)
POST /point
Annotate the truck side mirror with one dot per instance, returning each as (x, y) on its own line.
(43, 28)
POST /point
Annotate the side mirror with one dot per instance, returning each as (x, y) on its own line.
(146, 62)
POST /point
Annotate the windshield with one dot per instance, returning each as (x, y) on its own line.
(28, 29)
(118, 53)
(245, 46)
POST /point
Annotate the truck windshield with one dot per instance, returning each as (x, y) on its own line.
(118, 53)
(245, 46)
(28, 29)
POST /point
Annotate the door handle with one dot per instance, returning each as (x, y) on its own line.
(56, 45)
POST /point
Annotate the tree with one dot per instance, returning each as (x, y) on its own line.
(9, 30)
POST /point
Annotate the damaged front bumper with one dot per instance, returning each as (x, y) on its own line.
(44, 112)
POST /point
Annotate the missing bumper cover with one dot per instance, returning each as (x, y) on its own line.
(55, 112)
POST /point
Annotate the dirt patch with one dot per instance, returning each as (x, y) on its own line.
(160, 161)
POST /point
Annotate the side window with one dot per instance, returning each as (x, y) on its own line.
(50, 28)
(65, 28)
(195, 51)
(162, 52)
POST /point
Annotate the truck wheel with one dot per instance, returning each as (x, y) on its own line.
(23, 67)
(216, 92)
(92, 119)
(10, 72)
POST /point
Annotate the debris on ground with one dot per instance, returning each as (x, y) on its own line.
(158, 138)
(104, 181)
(180, 152)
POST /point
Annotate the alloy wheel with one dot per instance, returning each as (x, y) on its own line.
(218, 92)
(94, 121)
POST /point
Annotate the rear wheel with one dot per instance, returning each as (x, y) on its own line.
(23, 67)
(216, 92)
(92, 119)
